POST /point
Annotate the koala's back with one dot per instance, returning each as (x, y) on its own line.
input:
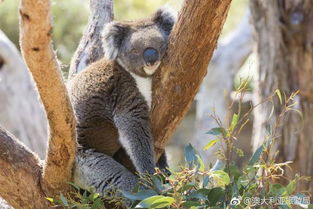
(98, 93)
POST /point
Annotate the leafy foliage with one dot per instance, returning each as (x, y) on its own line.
(258, 184)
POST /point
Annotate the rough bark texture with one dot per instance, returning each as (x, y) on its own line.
(230, 55)
(19, 100)
(20, 175)
(191, 46)
(284, 33)
(36, 31)
(90, 46)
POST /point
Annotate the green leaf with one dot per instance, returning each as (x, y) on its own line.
(64, 200)
(201, 164)
(139, 195)
(291, 187)
(256, 156)
(216, 194)
(186, 187)
(93, 196)
(73, 185)
(217, 166)
(157, 184)
(189, 204)
(200, 194)
(277, 190)
(220, 177)
(210, 144)
(146, 203)
(233, 123)
(283, 207)
(216, 131)
(205, 181)
(50, 199)
(163, 202)
(279, 96)
(190, 154)
(98, 204)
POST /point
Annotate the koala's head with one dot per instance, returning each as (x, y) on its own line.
(138, 46)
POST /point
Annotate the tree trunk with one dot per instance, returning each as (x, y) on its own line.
(19, 100)
(227, 60)
(176, 84)
(284, 33)
(37, 51)
(191, 45)
(20, 175)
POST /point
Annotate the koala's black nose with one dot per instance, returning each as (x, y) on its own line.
(150, 55)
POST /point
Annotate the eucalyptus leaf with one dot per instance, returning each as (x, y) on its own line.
(190, 154)
(64, 200)
(139, 195)
(256, 156)
(216, 131)
(146, 203)
(220, 177)
(162, 202)
(210, 144)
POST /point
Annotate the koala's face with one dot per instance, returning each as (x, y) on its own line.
(138, 46)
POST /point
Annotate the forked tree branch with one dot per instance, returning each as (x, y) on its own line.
(35, 40)
(20, 173)
(191, 46)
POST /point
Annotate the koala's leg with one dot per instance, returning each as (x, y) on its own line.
(136, 138)
(162, 164)
(101, 173)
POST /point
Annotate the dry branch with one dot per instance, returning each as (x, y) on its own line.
(90, 46)
(36, 31)
(20, 173)
(192, 43)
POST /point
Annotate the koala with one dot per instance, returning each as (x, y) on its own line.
(112, 98)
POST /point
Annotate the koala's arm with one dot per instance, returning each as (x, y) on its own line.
(136, 138)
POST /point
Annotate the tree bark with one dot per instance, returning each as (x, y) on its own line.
(228, 58)
(90, 46)
(19, 100)
(191, 45)
(20, 174)
(180, 76)
(285, 47)
(36, 31)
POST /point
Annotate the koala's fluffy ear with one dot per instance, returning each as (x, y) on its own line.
(112, 37)
(165, 17)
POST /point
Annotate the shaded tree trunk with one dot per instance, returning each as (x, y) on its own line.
(284, 33)
(21, 113)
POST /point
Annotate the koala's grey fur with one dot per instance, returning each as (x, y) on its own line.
(111, 99)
